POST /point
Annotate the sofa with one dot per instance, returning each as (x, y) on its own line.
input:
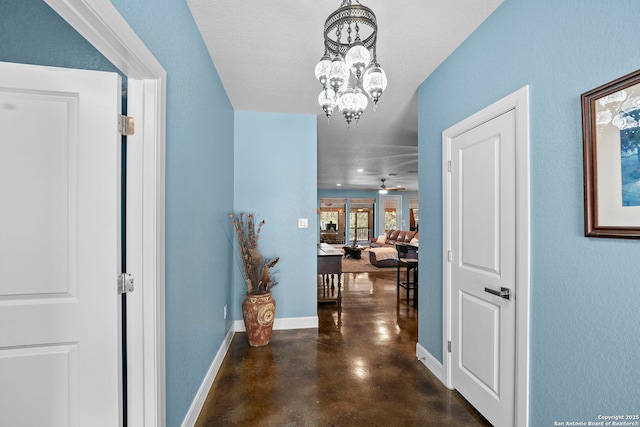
(383, 256)
(383, 252)
(391, 237)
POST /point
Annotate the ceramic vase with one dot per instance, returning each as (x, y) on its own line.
(258, 312)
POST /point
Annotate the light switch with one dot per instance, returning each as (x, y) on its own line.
(303, 223)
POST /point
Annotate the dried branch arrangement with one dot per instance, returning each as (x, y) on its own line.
(255, 267)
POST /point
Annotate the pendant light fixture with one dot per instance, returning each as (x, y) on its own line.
(349, 70)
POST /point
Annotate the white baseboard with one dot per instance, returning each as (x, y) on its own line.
(201, 395)
(431, 363)
(236, 326)
(295, 323)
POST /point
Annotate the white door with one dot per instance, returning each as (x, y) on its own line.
(59, 247)
(483, 246)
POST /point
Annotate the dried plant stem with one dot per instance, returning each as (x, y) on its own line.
(255, 268)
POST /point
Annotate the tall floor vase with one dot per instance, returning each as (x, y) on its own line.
(258, 312)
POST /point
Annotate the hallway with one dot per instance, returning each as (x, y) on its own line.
(357, 369)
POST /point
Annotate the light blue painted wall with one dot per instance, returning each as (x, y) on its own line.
(585, 292)
(199, 194)
(32, 33)
(275, 177)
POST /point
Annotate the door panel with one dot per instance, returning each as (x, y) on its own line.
(479, 341)
(483, 248)
(47, 380)
(35, 178)
(480, 196)
(59, 247)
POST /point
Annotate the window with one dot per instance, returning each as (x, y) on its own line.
(361, 219)
(332, 220)
(414, 218)
(358, 225)
(390, 213)
(327, 218)
(390, 221)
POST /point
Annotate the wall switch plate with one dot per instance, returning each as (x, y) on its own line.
(225, 311)
(303, 223)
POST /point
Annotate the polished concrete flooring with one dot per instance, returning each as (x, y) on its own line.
(358, 368)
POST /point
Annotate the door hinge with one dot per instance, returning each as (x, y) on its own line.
(125, 283)
(126, 125)
(449, 165)
(449, 256)
(449, 347)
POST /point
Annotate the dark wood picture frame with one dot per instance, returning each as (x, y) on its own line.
(602, 216)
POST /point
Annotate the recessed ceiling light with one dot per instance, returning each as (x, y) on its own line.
(338, 185)
(360, 170)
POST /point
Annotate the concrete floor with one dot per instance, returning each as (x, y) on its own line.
(357, 369)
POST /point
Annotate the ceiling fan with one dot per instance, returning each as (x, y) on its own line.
(383, 189)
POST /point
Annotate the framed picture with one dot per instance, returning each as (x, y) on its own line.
(611, 148)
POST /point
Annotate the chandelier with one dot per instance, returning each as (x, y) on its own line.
(349, 70)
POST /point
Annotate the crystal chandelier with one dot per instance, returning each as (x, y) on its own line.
(349, 70)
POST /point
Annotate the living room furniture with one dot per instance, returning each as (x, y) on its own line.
(391, 237)
(332, 236)
(329, 264)
(354, 252)
(383, 256)
(408, 260)
(407, 250)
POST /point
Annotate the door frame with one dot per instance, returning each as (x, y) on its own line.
(518, 101)
(99, 22)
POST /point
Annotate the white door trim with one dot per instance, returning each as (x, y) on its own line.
(518, 101)
(101, 24)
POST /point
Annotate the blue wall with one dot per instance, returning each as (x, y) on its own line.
(275, 178)
(199, 194)
(33, 33)
(584, 318)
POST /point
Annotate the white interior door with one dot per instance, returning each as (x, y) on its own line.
(59, 247)
(483, 260)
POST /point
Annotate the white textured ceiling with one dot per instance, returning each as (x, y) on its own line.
(265, 52)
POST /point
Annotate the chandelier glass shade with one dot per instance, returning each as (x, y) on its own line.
(327, 100)
(349, 71)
